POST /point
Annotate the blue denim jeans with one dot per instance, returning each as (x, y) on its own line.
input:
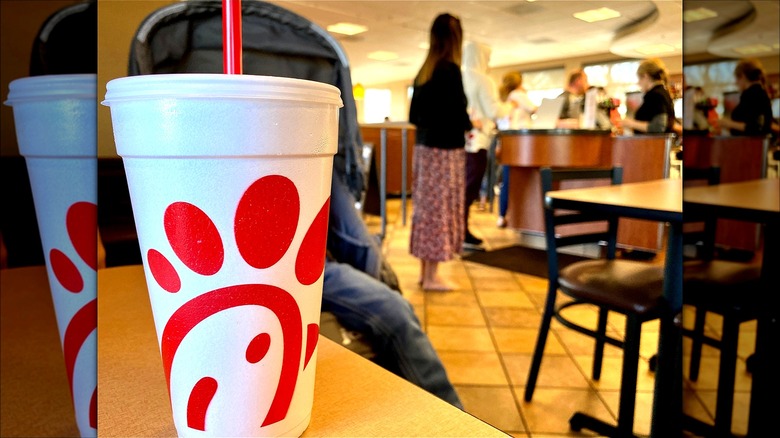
(353, 292)
(503, 197)
(366, 305)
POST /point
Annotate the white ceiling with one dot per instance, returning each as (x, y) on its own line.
(521, 32)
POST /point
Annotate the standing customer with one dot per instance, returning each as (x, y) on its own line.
(519, 118)
(753, 113)
(484, 107)
(656, 114)
(438, 109)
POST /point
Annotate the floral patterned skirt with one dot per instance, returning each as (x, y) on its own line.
(438, 197)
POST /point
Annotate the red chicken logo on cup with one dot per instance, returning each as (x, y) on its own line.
(266, 220)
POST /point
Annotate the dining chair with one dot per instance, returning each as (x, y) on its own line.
(630, 288)
(726, 288)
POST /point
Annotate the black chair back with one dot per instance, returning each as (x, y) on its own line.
(555, 218)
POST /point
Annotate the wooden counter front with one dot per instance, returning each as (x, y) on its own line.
(527, 150)
(643, 158)
(740, 159)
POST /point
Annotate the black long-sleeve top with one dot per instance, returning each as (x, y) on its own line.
(438, 109)
(754, 110)
(657, 107)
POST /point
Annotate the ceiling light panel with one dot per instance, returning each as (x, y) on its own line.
(594, 15)
(698, 14)
(347, 28)
(382, 55)
(753, 49)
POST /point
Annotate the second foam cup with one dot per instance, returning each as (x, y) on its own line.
(229, 179)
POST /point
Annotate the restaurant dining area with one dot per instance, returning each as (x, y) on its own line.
(525, 218)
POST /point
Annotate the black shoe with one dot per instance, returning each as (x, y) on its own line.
(472, 239)
(472, 243)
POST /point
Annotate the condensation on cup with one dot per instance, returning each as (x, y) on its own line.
(229, 178)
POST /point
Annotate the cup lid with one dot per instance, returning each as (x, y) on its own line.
(197, 85)
(52, 87)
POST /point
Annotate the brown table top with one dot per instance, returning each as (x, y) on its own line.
(35, 399)
(353, 397)
(757, 197)
(653, 200)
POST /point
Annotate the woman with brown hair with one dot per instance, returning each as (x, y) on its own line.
(753, 113)
(438, 110)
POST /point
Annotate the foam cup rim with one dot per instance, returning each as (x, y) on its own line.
(219, 86)
(52, 87)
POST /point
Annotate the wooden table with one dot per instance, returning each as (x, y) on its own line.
(659, 200)
(754, 201)
(35, 398)
(353, 397)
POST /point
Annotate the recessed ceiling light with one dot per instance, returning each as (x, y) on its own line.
(347, 28)
(382, 55)
(697, 14)
(599, 14)
(654, 49)
(753, 49)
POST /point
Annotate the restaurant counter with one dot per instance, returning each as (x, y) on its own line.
(528, 150)
(642, 157)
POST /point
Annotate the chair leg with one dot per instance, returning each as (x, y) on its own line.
(625, 424)
(598, 352)
(728, 367)
(697, 337)
(541, 340)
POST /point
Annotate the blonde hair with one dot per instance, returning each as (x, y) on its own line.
(655, 69)
(510, 82)
(446, 44)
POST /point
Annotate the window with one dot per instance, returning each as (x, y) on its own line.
(617, 78)
(377, 105)
(716, 78)
(542, 84)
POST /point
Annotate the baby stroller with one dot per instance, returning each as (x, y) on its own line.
(186, 37)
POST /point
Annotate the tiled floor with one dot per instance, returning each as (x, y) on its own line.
(485, 332)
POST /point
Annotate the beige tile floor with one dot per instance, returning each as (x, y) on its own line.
(484, 333)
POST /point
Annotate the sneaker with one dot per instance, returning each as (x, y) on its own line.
(501, 222)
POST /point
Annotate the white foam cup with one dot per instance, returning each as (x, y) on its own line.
(55, 120)
(229, 179)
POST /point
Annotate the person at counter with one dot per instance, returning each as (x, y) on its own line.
(438, 110)
(574, 102)
(656, 114)
(520, 117)
(753, 113)
(484, 107)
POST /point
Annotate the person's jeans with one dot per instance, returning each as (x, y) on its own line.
(357, 291)
(366, 305)
(503, 197)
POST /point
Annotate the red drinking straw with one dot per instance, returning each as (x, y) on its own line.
(231, 37)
